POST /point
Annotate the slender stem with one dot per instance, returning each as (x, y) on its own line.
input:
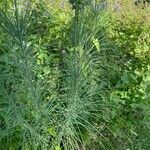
(75, 45)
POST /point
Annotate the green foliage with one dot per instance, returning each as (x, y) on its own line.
(129, 29)
(72, 78)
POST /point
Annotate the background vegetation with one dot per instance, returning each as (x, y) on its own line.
(74, 75)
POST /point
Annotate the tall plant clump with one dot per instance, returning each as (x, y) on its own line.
(22, 108)
(86, 84)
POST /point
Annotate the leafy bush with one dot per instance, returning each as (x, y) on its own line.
(129, 29)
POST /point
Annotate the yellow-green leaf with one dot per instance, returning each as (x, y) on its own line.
(96, 44)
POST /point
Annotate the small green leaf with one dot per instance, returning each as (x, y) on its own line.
(51, 131)
(133, 132)
(96, 44)
(57, 148)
